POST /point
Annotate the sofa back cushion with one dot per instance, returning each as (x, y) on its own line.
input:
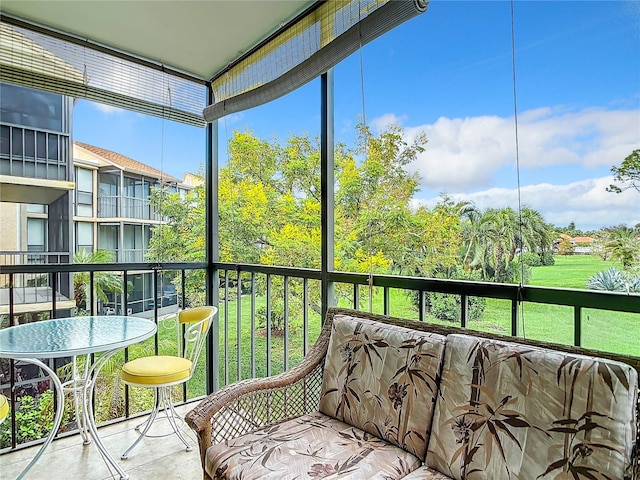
(512, 411)
(383, 379)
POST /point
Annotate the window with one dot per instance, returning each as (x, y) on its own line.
(108, 191)
(84, 192)
(84, 236)
(36, 235)
(36, 208)
(108, 239)
(132, 244)
(132, 204)
(31, 108)
(132, 187)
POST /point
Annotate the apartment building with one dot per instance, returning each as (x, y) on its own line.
(112, 212)
(36, 181)
(59, 197)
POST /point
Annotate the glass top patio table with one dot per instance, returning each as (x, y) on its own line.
(73, 337)
(66, 337)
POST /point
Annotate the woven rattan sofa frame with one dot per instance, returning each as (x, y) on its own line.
(247, 405)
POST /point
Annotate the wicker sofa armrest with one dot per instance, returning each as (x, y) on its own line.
(247, 405)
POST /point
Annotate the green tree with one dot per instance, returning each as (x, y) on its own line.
(627, 175)
(623, 243)
(537, 235)
(181, 238)
(104, 282)
(491, 240)
(569, 230)
(374, 217)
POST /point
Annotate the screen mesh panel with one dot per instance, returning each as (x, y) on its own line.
(37, 60)
(306, 50)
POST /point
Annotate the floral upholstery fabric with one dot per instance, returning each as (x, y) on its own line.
(512, 411)
(426, 473)
(383, 379)
(309, 447)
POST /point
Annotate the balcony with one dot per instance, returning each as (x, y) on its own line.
(115, 206)
(269, 315)
(27, 153)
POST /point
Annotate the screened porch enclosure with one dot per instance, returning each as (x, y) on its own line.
(269, 314)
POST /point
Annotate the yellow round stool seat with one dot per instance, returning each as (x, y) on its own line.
(157, 370)
(4, 408)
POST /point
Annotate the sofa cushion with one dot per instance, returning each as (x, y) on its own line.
(308, 447)
(513, 411)
(382, 379)
(426, 473)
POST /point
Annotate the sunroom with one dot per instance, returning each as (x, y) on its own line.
(307, 190)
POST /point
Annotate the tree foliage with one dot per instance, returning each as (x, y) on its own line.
(269, 213)
(104, 282)
(623, 244)
(627, 175)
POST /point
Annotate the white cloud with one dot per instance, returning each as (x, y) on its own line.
(379, 124)
(586, 202)
(465, 153)
(108, 109)
(233, 118)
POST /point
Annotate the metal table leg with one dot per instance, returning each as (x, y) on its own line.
(57, 418)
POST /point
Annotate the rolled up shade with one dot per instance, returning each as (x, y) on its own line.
(35, 59)
(305, 50)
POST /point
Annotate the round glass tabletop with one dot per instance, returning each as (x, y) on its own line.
(64, 337)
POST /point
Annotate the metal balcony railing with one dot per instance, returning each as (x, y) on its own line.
(27, 152)
(270, 316)
(116, 206)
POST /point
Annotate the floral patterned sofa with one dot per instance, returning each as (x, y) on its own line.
(385, 398)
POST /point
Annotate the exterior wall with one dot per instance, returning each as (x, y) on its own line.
(9, 240)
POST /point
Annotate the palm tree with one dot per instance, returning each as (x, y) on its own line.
(624, 244)
(536, 235)
(103, 282)
(473, 245)
(492, 238)
(499, 229)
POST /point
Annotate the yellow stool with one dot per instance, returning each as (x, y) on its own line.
(162, 372)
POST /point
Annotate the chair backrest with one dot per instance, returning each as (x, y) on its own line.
(197, 322)
(4, 407)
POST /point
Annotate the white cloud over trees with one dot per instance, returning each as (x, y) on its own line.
(464, 157)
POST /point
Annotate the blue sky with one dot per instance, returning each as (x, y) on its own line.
(449, 73)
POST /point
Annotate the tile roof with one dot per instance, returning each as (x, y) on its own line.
(126, 163)
(583, 239)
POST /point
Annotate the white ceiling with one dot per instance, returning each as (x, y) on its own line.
(199, 37)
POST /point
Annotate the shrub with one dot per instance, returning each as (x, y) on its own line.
(447, 307)
(536, 260)
(613, 280)
(514, 274)
(532, 259)
(548, 259)
(34, 419)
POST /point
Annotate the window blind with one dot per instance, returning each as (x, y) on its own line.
(38, 60)
(305, 50)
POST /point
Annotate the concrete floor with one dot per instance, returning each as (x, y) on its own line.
(153, 458)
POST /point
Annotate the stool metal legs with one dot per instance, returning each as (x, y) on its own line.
(163, 403)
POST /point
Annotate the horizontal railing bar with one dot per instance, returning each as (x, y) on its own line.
(98, 267)
(618, 301)
(273, 270)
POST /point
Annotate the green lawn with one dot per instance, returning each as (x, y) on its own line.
(570, 271)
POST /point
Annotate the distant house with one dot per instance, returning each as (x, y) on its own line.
(581, 245)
